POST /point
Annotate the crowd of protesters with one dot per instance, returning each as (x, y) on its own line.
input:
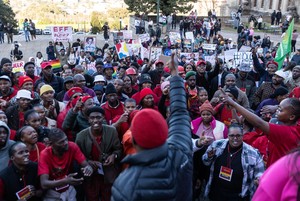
(178, 127)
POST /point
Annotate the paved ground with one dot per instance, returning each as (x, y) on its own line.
(30, 49)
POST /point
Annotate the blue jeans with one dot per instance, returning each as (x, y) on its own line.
(27, 36)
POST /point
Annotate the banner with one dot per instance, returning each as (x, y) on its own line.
(243, 57)
(90, 44)
(122, 50)
(127, 34)
(245, 49)
(190, 35)
(18, 66)
(144, 37)
(62, 33)
(209, 46)
(211, 59)
(155, 52)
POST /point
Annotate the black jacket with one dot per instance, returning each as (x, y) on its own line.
(165, 172)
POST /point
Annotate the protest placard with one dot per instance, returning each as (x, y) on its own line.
(187, 43)
(243, 57)
(211, 59)
(133, 46)
(90, 44)
(122, 50)
(155, 52)
(18, 66)
(190, 35)
(189, 56)
(145, 52)
(245, 49)
(61, 33)
(229, 54)
(164, 58)
(144, 37)
(209, 46)
(174, 37)
(127, 34)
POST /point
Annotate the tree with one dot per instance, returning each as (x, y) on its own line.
(166, 6)
(97, 21)
(6, 14)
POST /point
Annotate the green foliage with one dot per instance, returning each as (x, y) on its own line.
(7, 14)
(166, 7)
(97, 21)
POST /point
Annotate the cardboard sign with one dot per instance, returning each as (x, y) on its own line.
(61, 33)
(155, 52)
(18, 66)
(133, 46)
(145, 53)
(164, 58)
(122, 50)
(211, 59)
(190, 36)
(24, 193)
(229, 54)
(209, 46)
(187, 43)
(144, 37)
(243, 57)
(127, 34)
(174, 37)
(245, 49)
(189, 56)
(90, 44)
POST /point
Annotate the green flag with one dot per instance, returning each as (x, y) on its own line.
(285, 46)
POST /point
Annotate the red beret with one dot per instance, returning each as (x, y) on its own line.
(272, 63)
(145, 92)
(140, 62)
(149, 129)
(73, 91)
(167, 69)
(23, 80)
(85, 98)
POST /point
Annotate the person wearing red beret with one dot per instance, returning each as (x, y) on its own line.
(162, 167)
(76, 119)
(147, 99)
(26, 82)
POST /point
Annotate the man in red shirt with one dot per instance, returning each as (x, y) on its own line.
(55, 164)
(112, 107)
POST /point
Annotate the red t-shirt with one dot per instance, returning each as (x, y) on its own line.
(284, 138)
(34, 155)
(95, 153)
(59, 167)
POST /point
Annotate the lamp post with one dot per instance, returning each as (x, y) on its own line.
(157, 10)
(120, 23)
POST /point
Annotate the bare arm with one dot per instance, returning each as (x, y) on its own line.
(249, 116)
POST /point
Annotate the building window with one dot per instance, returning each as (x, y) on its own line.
(271, 3)
(255, 3)
(262, 3)
(279, 4)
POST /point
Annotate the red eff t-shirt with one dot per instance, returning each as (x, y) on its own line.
(283, 139)
(58, 167)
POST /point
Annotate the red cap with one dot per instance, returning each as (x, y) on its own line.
(45, 64)
(149, 129)
(73, 91)
(23, 80)
(159, 61)
(85, 98)
(200, 62)
(181, 69)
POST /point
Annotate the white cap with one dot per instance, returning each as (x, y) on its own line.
(23, 93)
(229, 38)
(282, 74)
(99, 78)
